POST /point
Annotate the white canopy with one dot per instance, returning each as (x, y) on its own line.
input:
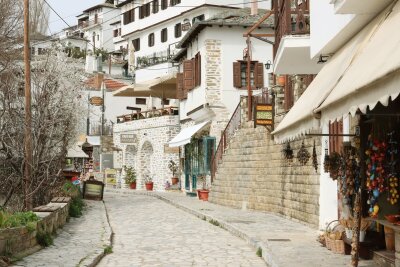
(186, 134)
(76, 152)
(350, 79)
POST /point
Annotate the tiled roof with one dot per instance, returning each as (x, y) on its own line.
(235, 17)
(111, 84)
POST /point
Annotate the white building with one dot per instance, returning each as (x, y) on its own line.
(212, 78)
(346, 37)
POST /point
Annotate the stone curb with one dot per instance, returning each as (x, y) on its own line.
(93, 259)
(267, 254)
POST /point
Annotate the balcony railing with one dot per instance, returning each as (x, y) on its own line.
(291, 17)
(140, 115)
(89, 23)
(155, 58)
(98, 129)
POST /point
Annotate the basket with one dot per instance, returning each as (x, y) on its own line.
(336, 245)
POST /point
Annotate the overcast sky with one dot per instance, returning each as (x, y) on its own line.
(68, 10)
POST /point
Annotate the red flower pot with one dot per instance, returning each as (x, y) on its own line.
(175, 180)
(132, 185)
(203, 194)
(149, 186)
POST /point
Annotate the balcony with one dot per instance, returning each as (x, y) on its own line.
(358, 7)
(155, 58)
(89, 23)
(141, 115)
(292, 38)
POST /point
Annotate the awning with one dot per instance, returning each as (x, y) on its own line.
(330, 83)
(374, 75)
(186, 134)
(162, 87)
(76, 152)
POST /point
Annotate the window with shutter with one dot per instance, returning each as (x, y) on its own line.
(151, 39)
(237, 80)
(197, 70)
(178, 30)
(259, 75)
(164, 35)
(188, 74)
(155, 6)
(136, 44)
(132, 15)
(164, 4)
(180, 92)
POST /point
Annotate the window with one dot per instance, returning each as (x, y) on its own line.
(198, 18)
(240, 74)
(164, 4)
(129, 16)
(140, 101)
(197, 70)
(136, 44)
(115, 33)
(144, 11)
(155, 6)
(178, 30)
(164, 35)
(98, 37)
(174, 2)
(151, 39)
(165, 101)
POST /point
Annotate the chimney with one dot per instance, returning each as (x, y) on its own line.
(99, 80)
(254, 7)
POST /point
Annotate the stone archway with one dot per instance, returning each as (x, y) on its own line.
(146, 155)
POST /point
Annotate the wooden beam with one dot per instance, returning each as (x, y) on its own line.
(255, 26)
(262, 35)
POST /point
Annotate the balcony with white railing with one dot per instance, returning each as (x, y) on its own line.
(90, 23)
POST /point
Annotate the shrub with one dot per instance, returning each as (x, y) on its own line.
(44, 239)
(10, 220)
(76, 207)
(259, 252)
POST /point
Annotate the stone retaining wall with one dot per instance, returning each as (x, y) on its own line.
(14, 241)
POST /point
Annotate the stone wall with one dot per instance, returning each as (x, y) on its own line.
(14, 241)
(146, 151)
(255, 175)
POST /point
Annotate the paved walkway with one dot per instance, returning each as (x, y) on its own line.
(150, 232)
(284, 243)
(80, 242)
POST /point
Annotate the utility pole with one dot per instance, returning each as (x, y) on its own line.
(249, 92)
(28, 113)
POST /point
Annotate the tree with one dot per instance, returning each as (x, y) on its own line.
(56, 109)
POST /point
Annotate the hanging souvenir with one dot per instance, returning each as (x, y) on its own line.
(326, 158)
(287, 152)
(334, 164)
(303, 155)
(392, 178)
(314, 158)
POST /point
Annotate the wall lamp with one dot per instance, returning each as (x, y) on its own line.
(322, 59)
(268, 65)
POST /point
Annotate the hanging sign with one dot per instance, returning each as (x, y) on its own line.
(93, 189)
(96, 101)
(264, 115)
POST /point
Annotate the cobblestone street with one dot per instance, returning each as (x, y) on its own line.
(149, 232)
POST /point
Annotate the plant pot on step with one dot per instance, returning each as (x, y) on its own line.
(203, 194)
(132, 185)
(149, 186)
(174, 180)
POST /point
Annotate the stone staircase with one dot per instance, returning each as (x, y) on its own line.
(254, 175)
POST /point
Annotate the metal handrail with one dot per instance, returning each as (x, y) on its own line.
(140, 115)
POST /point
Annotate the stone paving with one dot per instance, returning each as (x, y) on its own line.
(80, 243)
(150, 232)
(284, 243)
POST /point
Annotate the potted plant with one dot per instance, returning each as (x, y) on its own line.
(148, 183)
(203, 193)
(173, 167)
(130, 177)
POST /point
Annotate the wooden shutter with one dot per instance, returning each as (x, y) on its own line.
(335, 142)
(198, 69)
(180, 92)
(132, 16)
(237, 80)
(259, 75)
(188, 74)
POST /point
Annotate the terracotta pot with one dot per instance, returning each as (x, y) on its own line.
(132, 185)
(175, 180)
(203, 194)
(389, 238)
(149, 186)
(281, 80)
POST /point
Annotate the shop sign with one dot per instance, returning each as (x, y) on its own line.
(93, 190)
(171, 150)
(128, 138)
(264, 115)
(96, 101)
(111, 177)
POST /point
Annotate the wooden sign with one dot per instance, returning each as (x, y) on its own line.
(96, 101)
(171, 150)
(264, 115)
(128, 138)
(111, 177)
(93, 190)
